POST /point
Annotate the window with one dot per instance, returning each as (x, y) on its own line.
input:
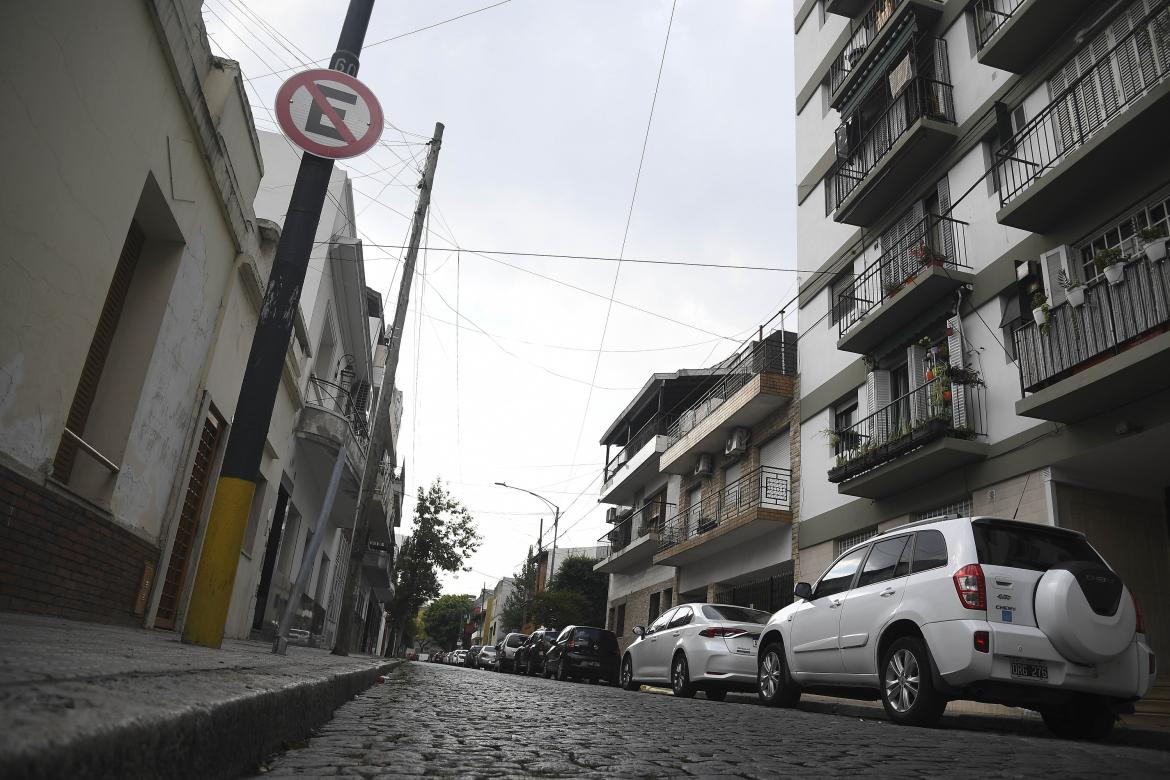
(844, 418)
(845, 542)
(930, 550)
(661, 623)
(735, 614)
(681, 617)
(620, 625)
(1038, 549)
(1124, 235)
(655, 610)
(609, 622)
(961, 508)
(884, 561)
(841, 297)
(839, 576)
(654, 511)
(667, 595)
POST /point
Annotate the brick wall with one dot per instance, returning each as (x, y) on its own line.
(59, 556)
(638, 609)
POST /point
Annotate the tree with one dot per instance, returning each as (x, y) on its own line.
(516, 608)
(576, 575)
(445, 618)
(559, 608)
(444, 535)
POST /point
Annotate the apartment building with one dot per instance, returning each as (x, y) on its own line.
(981, 185)
(700, 473)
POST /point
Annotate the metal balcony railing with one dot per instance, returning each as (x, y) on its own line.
(948, 405)
(648, 519)
(859, 150)
(775, 354)
(934, 242)
(336, 398)
(990, 15)
(653, 427)
(862, 32)
(766, 487)
(1111, 319)
(1119, 76)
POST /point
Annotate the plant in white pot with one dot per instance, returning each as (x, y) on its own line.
(1074, 289)
(1040, 310)
(1154, 240)
(1112, 263)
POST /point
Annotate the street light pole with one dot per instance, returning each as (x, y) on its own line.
(556, 524)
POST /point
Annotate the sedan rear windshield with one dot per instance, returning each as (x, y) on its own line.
(1037, 549)
(605, 640)
(735, 614)
(516, 641)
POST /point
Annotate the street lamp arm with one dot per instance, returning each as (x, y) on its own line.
(551, 505)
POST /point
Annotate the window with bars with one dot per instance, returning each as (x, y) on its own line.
(843, 543)
(1123, 235)
(960, 507)
(842, 299)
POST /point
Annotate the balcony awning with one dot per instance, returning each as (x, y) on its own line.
(878, 67)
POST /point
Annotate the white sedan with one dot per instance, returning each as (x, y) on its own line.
(708, 647)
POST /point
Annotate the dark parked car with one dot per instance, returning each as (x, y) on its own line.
(530, 656)
(472, 657)
(584, 652)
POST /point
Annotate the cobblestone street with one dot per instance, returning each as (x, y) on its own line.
(449, 721)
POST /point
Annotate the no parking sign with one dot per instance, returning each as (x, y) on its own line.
(329, 114)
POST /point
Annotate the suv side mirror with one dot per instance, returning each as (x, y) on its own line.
(803, 591)
(639, 630)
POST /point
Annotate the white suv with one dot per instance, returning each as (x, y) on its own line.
(965, 608)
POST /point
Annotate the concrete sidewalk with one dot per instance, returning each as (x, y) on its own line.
(82, 699)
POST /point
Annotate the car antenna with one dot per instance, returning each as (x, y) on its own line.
(1022, 492)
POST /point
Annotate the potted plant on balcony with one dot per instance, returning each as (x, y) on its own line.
(1110, 262)
(1040, 311)
(892, 289)
(1074, 290)
(928, 256)
(1154, 241)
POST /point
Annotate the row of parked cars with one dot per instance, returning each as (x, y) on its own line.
(945, 609)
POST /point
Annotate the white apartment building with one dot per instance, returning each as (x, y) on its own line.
(958, 164)
(700, 474)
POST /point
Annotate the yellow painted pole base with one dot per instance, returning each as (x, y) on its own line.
(212, 592)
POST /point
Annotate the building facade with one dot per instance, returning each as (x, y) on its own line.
(986, 331)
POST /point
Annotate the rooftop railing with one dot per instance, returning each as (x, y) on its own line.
(990, 15)
(1119, 76)
(766, 487)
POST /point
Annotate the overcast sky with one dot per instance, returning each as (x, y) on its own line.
(546, 104)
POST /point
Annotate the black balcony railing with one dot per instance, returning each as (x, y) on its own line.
(935, 242)
(653, 427)
(336, 398)
(775, 354)
(766, 487)
(859, 150)
(863, 30)
(949, 405)
(1111, 318)
(1119, 76)
(649, 519)
(990, 15)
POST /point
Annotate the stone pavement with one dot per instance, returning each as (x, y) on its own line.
(444, 721)
(96, 700)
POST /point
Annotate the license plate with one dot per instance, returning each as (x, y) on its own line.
(1029, 670)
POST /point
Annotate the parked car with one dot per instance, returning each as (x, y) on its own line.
(489, 658)
(530, 655)
(693, 647)
(458, 657)
(583, 652)
(437, 656)
(967, 608)
(508, 647)
(471, 656)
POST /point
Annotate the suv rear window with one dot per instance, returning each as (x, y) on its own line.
(1038, 549)
(735, 614)
(516, 640)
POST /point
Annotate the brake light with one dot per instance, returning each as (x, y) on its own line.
(571, 644)
(1137, 608)
(983, 641)
(726, 633)
(970, 586)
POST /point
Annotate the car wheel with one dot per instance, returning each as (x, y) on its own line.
(908, 692)
(563, 671)
(1090, 720)
(680, 677)
(626, 675)
(773, 682)
(716, 694)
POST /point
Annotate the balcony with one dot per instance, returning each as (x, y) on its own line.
(634, 463)
(883, 29)
(755, 385)
(1112, 349)
(1012, 34)
(913, 279)
(919, 436)
(746, 509)
(1109, 125)
(900, 144)
(329, 422)
(631, 543)
(846, 7)
(376, 562)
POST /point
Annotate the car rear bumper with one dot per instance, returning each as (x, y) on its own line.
(1126, 677)
(590, 666)
(716, 664)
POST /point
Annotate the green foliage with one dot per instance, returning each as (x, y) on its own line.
(559, 608)
(1104, 259)
(576, 575)
(1153, 233)
(446, 617)
(516, 608)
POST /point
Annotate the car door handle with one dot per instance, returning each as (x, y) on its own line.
(676, 633)
(834, 603)
(888, 592)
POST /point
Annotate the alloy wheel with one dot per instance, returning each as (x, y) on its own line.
(770, 674)
(902, 680)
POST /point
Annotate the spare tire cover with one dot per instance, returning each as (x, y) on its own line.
(1078, 632)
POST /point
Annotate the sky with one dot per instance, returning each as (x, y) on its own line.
(546, 105)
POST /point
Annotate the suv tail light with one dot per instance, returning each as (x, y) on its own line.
(1137, 608)
(726, 633)
(970, 586)
(571, 644)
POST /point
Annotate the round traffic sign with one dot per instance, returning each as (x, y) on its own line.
(329, 113)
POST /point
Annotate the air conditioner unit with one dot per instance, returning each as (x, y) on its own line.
(705, 466)
(737, 443)
(611, 514)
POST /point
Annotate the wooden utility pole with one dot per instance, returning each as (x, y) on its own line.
(381, 423)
